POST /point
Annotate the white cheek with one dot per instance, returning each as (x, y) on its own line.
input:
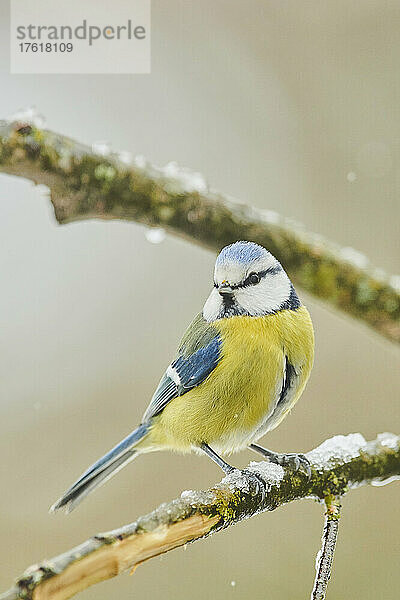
(212, 306)
(266, 296)
(252, 300)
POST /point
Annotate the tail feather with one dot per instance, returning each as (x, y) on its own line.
(102, 470)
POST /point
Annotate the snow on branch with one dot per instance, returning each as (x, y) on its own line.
(93, 182)
(338, 465)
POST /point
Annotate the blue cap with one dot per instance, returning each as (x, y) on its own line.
(241, 252)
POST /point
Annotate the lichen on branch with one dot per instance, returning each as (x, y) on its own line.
(337, 465)
(90, 183)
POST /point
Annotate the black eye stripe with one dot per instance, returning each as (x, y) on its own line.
(272, 270)
(260, 274)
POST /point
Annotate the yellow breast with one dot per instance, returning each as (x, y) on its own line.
(226, 410)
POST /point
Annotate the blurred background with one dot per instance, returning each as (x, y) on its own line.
(292, 106)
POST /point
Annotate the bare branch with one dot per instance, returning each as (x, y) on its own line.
(325, 555)
(87, 185)
(337, 465)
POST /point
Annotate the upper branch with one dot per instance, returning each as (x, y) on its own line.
(85, 184)
(337, 465)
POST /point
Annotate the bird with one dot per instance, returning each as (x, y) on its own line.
(241, 366)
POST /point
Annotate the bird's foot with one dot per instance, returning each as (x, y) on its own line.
(293, 461)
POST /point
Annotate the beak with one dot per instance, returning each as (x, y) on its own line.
(225, 289)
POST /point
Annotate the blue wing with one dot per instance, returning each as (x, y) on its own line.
(187, 370)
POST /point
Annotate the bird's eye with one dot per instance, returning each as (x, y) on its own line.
(254, 278)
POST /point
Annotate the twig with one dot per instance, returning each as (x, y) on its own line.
(85, 184)
(337, 465)
(324, 561)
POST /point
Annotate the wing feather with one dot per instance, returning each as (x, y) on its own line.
(198, 355)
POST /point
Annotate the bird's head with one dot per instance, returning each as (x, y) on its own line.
(248, 280)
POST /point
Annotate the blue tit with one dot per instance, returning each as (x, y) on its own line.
(241, 366)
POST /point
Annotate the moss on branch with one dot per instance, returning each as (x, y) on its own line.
(337, 465)
(87, 185)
